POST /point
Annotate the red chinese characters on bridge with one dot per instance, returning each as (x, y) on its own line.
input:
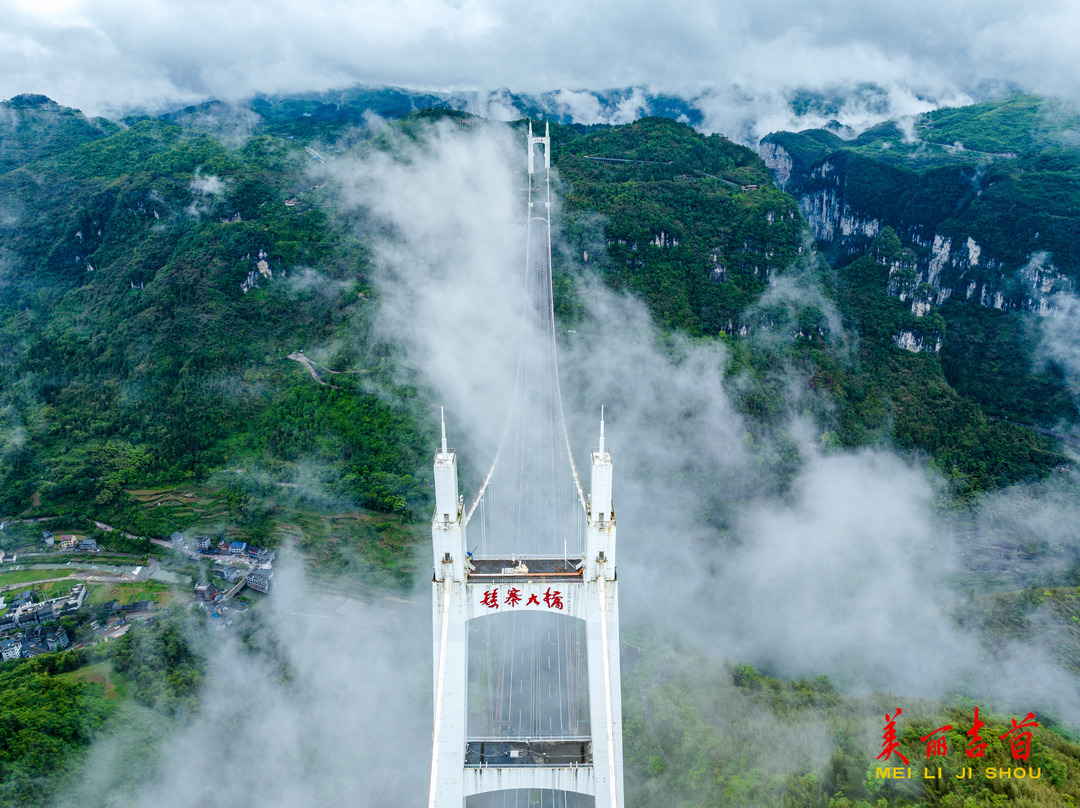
(552, 598)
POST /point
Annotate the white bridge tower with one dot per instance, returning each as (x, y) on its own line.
(528, 706)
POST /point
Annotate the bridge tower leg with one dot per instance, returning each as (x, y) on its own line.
(449, 614)
(602, 632)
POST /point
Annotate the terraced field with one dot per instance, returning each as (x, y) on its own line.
(182, 505)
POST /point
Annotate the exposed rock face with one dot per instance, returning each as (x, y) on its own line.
(910, 341)
(263, 265)
(939, 256)
(941, 263)
(830, 218)
(778, 161)
(945, 270)
(262, 269)
(1030, 287)
(824, 206)
(663, 239)
(973, 252)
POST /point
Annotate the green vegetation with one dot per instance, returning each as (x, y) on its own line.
(957, 226)
(101, 673)
(161, 594)
(1014, 188)
(677, 228)
(990, 358)
(153, 305)
(156, 282)
(54, 705)
(718, 247)
(358, 548)
(32, 128)
(160, 664)
(1043, 616)
(159, 282)
(27, 576)
(44, 720)
(905, 397)
(51, 589)
(1021, 124)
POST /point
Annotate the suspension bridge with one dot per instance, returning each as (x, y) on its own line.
(528, 709)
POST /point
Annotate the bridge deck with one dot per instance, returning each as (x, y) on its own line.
(530, 752)
(491, 568)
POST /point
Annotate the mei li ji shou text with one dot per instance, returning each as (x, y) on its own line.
(936, 744)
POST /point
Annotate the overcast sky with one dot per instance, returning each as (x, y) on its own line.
(106, 56)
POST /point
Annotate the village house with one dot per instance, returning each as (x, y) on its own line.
(205, 591)
(137, 606)
(11, 649)
(57, 640)
(259, 580)
(33, 613)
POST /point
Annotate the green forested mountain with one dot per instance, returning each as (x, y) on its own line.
(692, 225)
(695, 227)
(32, 127)
(982, 208)
(147, 313)
(156, 278)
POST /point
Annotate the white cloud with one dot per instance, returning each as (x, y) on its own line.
(108, 55)
(349, 724)
(1061, 336)
(207, 185)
